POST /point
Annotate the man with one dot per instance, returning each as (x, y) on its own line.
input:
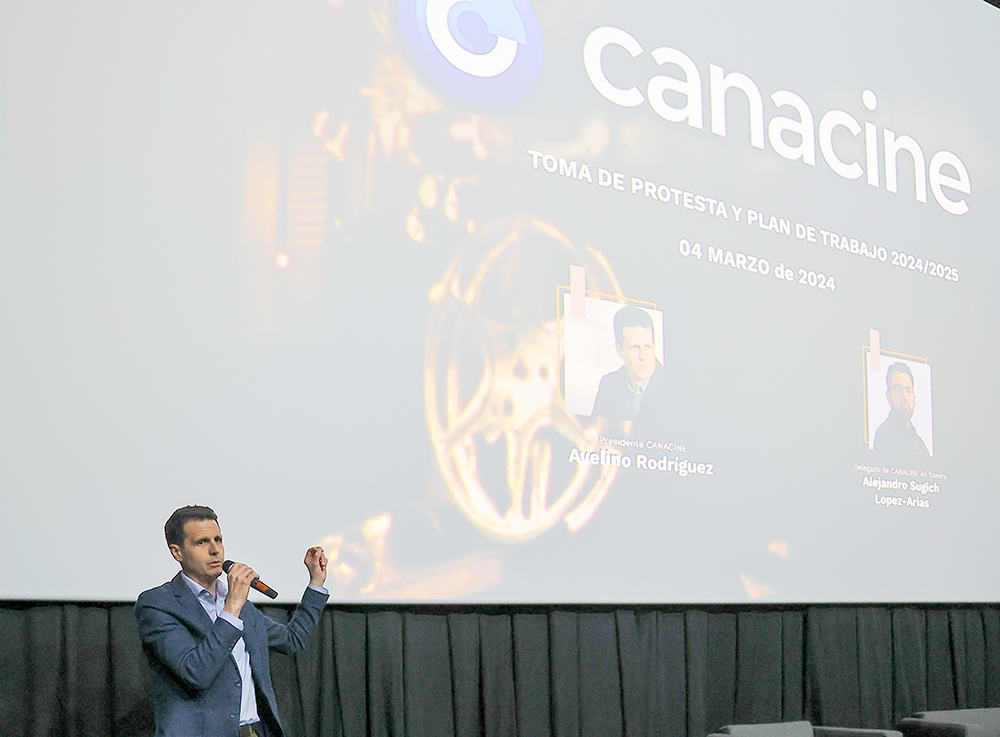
(638, 384)
(208, 646)
(896, 438)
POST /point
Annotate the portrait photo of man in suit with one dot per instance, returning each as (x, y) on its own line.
(636, 390)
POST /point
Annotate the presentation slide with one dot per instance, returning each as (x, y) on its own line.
(503, 301)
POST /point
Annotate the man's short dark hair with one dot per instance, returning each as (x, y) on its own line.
(631, 316)
(173, 530)
(897, 368)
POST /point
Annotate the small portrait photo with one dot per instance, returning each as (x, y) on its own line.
(612, 358)
(899, 423)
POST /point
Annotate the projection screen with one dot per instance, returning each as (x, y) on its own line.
(349, 272)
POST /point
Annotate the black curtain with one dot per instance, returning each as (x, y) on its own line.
(69, 670)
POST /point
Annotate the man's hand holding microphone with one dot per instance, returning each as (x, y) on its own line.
(242, 578)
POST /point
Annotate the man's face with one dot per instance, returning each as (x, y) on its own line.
(638, 353)
(900, 394)
(202, 553)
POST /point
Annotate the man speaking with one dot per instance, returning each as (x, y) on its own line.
(207, 645)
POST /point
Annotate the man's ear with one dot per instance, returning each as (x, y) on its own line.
(175, 550)
(618, 350)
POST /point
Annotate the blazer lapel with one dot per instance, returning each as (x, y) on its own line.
(189, 605)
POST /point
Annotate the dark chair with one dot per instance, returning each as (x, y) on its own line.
(952, 723)
(799, 729)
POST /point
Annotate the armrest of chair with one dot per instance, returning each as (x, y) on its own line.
(913, 727)
(854, 732)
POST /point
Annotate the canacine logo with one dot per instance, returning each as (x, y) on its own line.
(484, 51)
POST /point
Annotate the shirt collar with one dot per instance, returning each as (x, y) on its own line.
(221, 586)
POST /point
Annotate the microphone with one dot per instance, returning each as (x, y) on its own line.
(255, 584)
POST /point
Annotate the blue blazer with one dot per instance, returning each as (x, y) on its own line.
(196, 685)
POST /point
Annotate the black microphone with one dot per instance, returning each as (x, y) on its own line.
(255, 584)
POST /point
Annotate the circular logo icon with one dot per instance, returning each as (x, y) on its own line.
(484, 51)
